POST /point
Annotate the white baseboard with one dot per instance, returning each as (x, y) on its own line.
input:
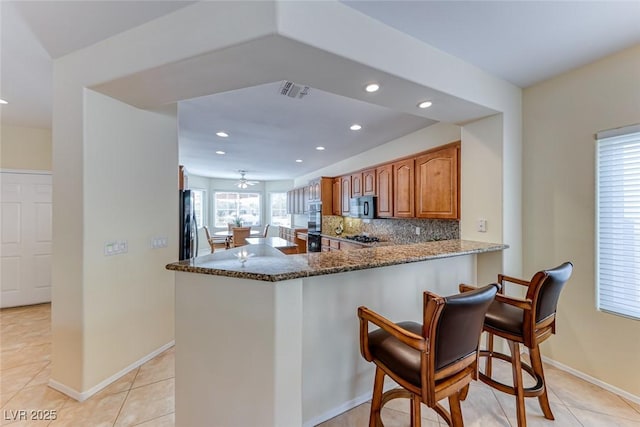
(334, 412)
(592, 380)
(84, 395)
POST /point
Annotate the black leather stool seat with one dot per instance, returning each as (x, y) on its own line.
(504, 317)
(400, 358)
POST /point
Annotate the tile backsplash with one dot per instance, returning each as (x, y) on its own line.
(394, 230)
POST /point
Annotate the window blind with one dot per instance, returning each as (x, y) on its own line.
(618, 223)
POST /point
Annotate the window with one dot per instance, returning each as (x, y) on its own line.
(230, 206)
(198, 207)
(278, 204)
(618, 221)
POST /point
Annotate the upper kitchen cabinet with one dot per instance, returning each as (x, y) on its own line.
(321, 190)
(369, 182)
(404, 188)
(337, 195)
(384, 190)
(356, 184)
(306, 197)
(345, 188)
(437, 192)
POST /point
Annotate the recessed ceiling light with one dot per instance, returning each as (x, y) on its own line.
(298, 160)
(372, 87)
(425, 104)
(355, 126)
(2, 101)
(220, 152)
(319, 148)
(222, 134)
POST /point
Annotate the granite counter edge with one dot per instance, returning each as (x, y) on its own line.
(311, 272)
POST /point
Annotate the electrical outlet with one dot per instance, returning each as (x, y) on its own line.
(418, 231)
(159, 242)
(482, 225)
(116, 247)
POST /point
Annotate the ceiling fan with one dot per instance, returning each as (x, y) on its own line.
(244, 182)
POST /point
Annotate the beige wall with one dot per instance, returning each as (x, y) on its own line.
(561, 116)
(128, 298)
(25, 148)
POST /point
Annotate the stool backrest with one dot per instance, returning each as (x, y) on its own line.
(545, 289)
(460, 324)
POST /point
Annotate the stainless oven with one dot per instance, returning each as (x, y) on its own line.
(314, 226)
(315, 217)
(314, 242)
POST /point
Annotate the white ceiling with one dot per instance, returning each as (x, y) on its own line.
(522, 42)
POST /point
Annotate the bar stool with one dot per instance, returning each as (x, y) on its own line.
(527, 321)
(430, 361)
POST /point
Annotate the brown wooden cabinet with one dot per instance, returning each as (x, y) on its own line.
(403, 188)
(299, 200)
(345, 191)
(331, 245)
(337, 195)
(315, 189)
(306, 197)
(290, 202)
(321, 190)
(437, 184)
(369, 182)
(384, 190)
(356, 184)
(291, 234)
(348, 246)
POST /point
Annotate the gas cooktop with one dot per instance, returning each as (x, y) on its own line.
(362, 238)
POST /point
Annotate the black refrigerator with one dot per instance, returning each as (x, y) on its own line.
(188, 226)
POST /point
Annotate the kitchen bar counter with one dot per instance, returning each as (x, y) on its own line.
(285, 327)
(268, 266)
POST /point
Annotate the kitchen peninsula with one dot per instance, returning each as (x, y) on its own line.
(274, 341)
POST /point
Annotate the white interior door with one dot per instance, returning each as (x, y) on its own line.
(25, 233)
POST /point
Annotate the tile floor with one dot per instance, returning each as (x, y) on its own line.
(145, 396)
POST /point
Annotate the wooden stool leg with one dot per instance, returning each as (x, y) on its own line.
(543, 399)
(376, 400)
(415, 411)
(487, 365)
(517, 382)
(464, 392)
(456, 411)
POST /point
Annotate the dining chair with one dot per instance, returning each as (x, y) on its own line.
(430, 361)
(213, 241)
(527, 321)
(239, 234)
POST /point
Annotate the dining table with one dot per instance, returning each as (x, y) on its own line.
(228, 234)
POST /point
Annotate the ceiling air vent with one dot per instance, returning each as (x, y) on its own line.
(293, 90)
